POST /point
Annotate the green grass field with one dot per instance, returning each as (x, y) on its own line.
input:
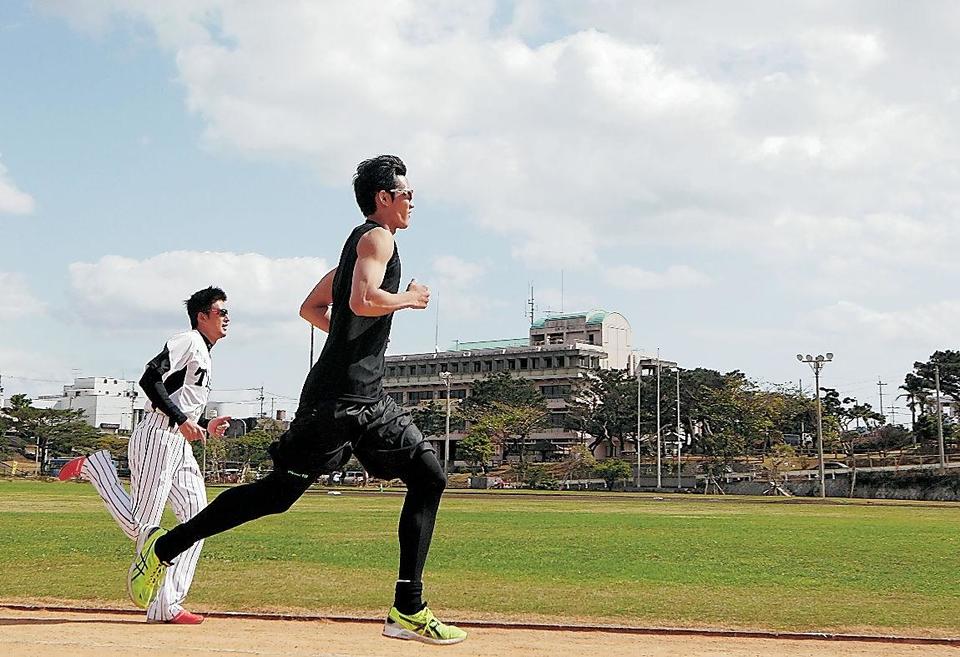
(680, 561)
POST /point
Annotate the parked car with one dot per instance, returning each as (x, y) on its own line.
(835, 465)
(353, 478)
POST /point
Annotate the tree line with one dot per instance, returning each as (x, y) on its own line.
(723, 417)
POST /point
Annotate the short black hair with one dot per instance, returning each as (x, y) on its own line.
(201, 300)
(374, 175)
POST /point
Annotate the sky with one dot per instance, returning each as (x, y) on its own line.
(742, 181)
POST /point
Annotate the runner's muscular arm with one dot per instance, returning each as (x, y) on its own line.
(316, 307)
(366, 298)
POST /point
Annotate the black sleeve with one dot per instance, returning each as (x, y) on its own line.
(203, 422)
(152, 384)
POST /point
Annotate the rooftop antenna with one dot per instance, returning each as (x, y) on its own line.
(436, 334)
(530, 304)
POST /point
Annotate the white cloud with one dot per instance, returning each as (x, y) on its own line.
(31, 373)
(933, 324)
(13, 200)
(16, 300)
(821, 147)
(458, 290)
(457, 272)
(264, 294)
(630, 277)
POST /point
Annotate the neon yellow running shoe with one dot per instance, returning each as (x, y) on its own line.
(422, 626)
(146, 572)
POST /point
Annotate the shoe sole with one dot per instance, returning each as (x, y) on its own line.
(406, 635)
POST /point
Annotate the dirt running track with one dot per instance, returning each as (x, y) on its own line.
(62, 634)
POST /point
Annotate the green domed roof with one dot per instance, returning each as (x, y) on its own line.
(592, 317)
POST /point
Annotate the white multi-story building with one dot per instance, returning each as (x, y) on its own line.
(109, 404)
(560, 351)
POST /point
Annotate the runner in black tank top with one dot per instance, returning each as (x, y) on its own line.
(350, 367)
(343, 409)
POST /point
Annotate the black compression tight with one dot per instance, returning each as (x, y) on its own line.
(275, 493)
(425, 483)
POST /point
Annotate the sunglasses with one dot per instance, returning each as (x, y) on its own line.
(222, 312)
(406, 193)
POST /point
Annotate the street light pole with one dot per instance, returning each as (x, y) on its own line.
(638, 371)
(445, 377)
(816, 363)
(679, 441)
(936, 383)
(659, 475)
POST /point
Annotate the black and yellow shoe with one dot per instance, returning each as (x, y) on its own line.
(422, 626)
(146, 572)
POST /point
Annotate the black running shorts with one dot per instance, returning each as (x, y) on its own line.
(322, 438)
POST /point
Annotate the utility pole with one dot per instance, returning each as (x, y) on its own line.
(261, 398)
(893, 413)
(880, 385)
(936, 383)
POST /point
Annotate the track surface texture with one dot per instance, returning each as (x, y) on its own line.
(62, 633)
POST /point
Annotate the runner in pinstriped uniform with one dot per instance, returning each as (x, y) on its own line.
(162, 466)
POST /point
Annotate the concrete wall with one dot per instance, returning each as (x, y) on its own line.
(891, 486)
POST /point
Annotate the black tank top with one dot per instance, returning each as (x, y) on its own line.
(350, 367)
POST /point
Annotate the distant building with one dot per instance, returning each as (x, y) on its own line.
(108, 404)
(559, 350)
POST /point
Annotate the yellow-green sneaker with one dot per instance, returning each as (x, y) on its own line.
(146, 572)
(422, 626)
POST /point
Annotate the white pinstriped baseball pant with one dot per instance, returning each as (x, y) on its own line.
(162, 469)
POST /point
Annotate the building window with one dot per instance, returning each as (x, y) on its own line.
(455, 368)
(559, 362)
(556, 338)
(523, 363)
(590, 338)
(537, 340)
(547, 362)
(555, 391)
(488, 366)
(558, 420)
(476, 366)
(396, 396)
(433, 368)
(422, 369)
(419, 395)
(413, 370)
(458, 393)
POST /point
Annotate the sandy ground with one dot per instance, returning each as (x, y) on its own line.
(45, 634)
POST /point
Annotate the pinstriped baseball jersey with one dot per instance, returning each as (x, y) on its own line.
(185, 366)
